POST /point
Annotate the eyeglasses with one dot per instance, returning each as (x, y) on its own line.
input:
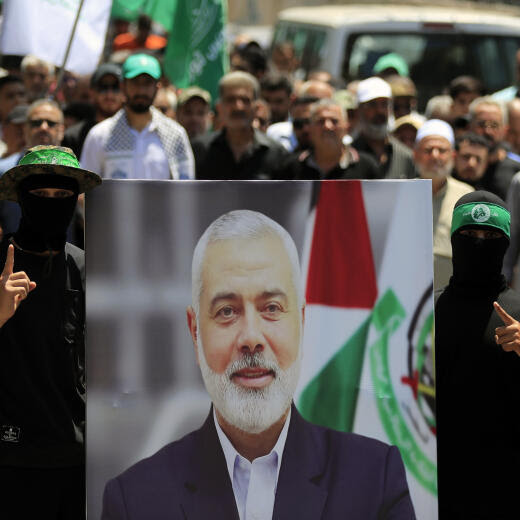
(111, 87)
(36, 123)
(300, 122)
(492, 125)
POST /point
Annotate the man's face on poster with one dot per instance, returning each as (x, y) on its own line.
(248, 330)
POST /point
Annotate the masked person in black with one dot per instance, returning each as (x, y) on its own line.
(477, 342)
(42, 352)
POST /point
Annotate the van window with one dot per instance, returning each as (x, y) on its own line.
(308, 43)
(435, 59)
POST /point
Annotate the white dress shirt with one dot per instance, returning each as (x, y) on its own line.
(259, 476)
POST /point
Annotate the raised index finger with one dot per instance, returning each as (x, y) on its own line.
(9, 261)
(508, 320)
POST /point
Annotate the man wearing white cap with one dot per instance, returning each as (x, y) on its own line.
(434, 156)
(375, 100)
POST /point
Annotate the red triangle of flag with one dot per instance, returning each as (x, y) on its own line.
(341, 267)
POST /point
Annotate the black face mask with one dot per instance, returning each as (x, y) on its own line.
(478, 261)
(44, 221)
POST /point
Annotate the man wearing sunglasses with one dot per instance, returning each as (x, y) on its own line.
(106, 94)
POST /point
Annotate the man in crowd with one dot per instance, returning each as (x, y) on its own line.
(477, 361)
(255, 456)
(37, 77)
(329, 156)
(489, 119)
(404, 96)
(166, 101)
(42, 359)
(238, 151)
(463, 91)
(194, 111)
(294, 134)
(12, 93)
(277, 91)
(13, 134)
(139, 142)
(471, 159)
(375, 101)
(513, 129)
(434, 157)
(105, 86)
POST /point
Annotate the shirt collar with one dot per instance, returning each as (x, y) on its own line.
(231, 454)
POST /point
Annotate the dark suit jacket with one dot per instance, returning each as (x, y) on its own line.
(324, 475)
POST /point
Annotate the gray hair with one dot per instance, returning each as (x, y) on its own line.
(44, 101)
(247, 224)
(239, 78)
(33, 61)
(488, 100)
(438, 107)
(326, 103)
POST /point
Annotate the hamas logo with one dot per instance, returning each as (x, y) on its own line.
(409, 424)
(480, 213)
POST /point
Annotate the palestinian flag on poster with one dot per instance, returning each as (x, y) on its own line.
(368, 349)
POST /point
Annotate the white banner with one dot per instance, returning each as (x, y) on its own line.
(44, 27)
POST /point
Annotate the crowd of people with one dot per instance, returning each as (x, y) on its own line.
(271, 122)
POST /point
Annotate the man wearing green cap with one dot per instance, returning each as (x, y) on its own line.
(42, 352)
(139, 142)
(477, 361)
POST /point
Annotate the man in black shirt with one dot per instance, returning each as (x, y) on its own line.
(105, 86)
(42, 384)
(331, 156)
(238, 151)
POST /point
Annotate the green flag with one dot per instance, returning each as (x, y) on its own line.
(162, 11)
(195, 54)
(127, 9)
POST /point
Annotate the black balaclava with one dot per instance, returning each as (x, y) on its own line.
(44, 222)
(477, 262)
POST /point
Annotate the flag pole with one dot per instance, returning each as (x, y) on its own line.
(59, 79)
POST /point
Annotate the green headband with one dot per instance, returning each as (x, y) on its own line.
(50, 156)
(481, 214)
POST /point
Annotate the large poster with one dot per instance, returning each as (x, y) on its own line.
(366, 254)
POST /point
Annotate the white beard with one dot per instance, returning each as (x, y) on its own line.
(251, 410)
(439, 172)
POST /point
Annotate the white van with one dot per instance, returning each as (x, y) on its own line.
(438, 43)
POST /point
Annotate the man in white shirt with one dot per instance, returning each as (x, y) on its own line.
(255, 457)
(139, 142)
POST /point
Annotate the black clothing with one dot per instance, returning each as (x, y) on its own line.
(303, 166)
(478, 387)
(76, 134)
(214, 158)
(44, 222)
(42, 384)
(43, 494)
(398, 163)
(496, 178)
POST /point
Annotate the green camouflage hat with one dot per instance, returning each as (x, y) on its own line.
(53, 160)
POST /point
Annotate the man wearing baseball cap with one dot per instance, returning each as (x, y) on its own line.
(107, 97)
(477, 360)
(194, 111)
(42, 351)
(375, 106)
(139, 142)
